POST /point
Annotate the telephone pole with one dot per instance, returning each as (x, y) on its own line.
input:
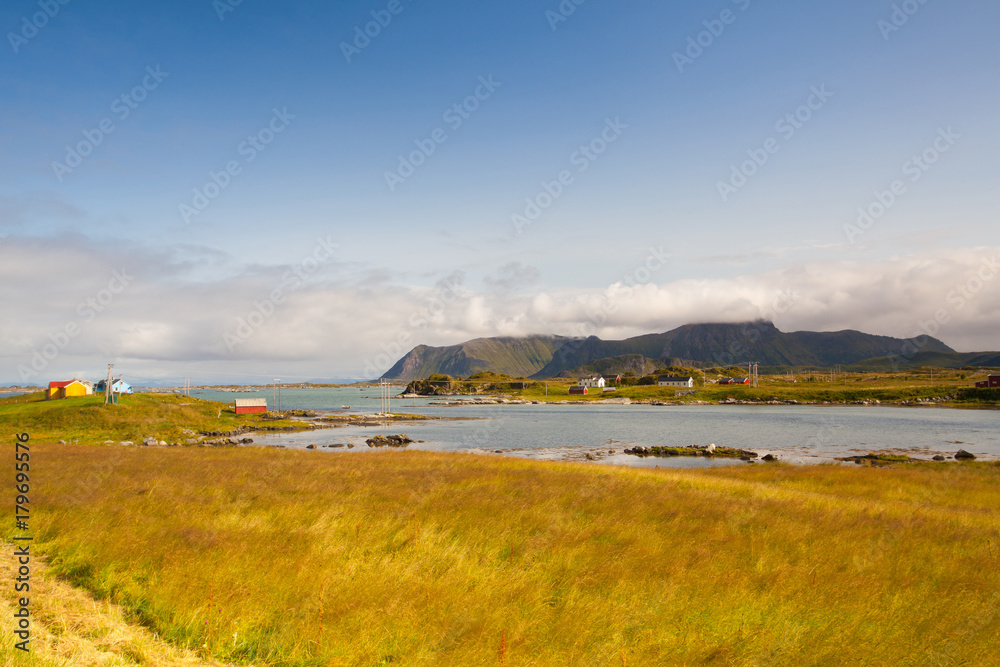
(384, 398)
(107, 385)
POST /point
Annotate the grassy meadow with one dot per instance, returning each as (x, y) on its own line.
(88, 420)
(276, 557)
(812, 387)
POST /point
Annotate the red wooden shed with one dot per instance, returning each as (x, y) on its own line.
(249, 406)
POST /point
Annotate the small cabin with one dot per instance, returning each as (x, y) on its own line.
(250, 406)
(992, 382)
(675, 381)
(117, 387)
(69, 389)
(578, 391)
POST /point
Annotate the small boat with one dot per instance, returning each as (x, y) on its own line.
(346, 407)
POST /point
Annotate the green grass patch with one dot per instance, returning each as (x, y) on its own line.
(88, 420)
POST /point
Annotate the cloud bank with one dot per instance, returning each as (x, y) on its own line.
(162, 314)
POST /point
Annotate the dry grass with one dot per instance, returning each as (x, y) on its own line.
(72, 629)
(297, 558)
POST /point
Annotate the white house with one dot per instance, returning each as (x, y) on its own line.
(674, 381)
(595, 382)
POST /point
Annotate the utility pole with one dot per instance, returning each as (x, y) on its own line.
(107, 385)
(385, 400)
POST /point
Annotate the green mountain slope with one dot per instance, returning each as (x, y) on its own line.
(518, 357)
(715, 344)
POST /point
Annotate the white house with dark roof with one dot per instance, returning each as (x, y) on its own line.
(675, 381)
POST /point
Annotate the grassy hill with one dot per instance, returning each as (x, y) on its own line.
(298, 559)
(87, 419)
(930, 360)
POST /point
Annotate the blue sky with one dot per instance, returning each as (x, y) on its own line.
(554, 87)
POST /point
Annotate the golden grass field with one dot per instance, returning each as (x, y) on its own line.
(413, 558)
(72, 629)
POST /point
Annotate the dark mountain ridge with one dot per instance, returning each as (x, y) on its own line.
(545, 356)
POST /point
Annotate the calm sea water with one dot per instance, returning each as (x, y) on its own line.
(794, 433)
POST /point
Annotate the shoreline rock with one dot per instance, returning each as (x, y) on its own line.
(401, 440)
(693, 450)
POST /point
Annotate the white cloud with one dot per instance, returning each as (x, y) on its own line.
(172, 320)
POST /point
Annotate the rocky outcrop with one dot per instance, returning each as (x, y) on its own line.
(878, 459)
(401, 440)
(693, 450)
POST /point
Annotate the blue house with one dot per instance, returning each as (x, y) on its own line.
(117, 386)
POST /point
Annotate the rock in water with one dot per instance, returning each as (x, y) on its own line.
(964, 455)
(401, 440)
(939, 458)
(770, 458)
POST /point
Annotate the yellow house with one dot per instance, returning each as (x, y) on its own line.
(70, 389)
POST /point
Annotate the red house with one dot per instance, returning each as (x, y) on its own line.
(992, 382)
(578, 391)
(249, 406)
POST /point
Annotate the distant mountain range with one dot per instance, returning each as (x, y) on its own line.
(694, 345)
